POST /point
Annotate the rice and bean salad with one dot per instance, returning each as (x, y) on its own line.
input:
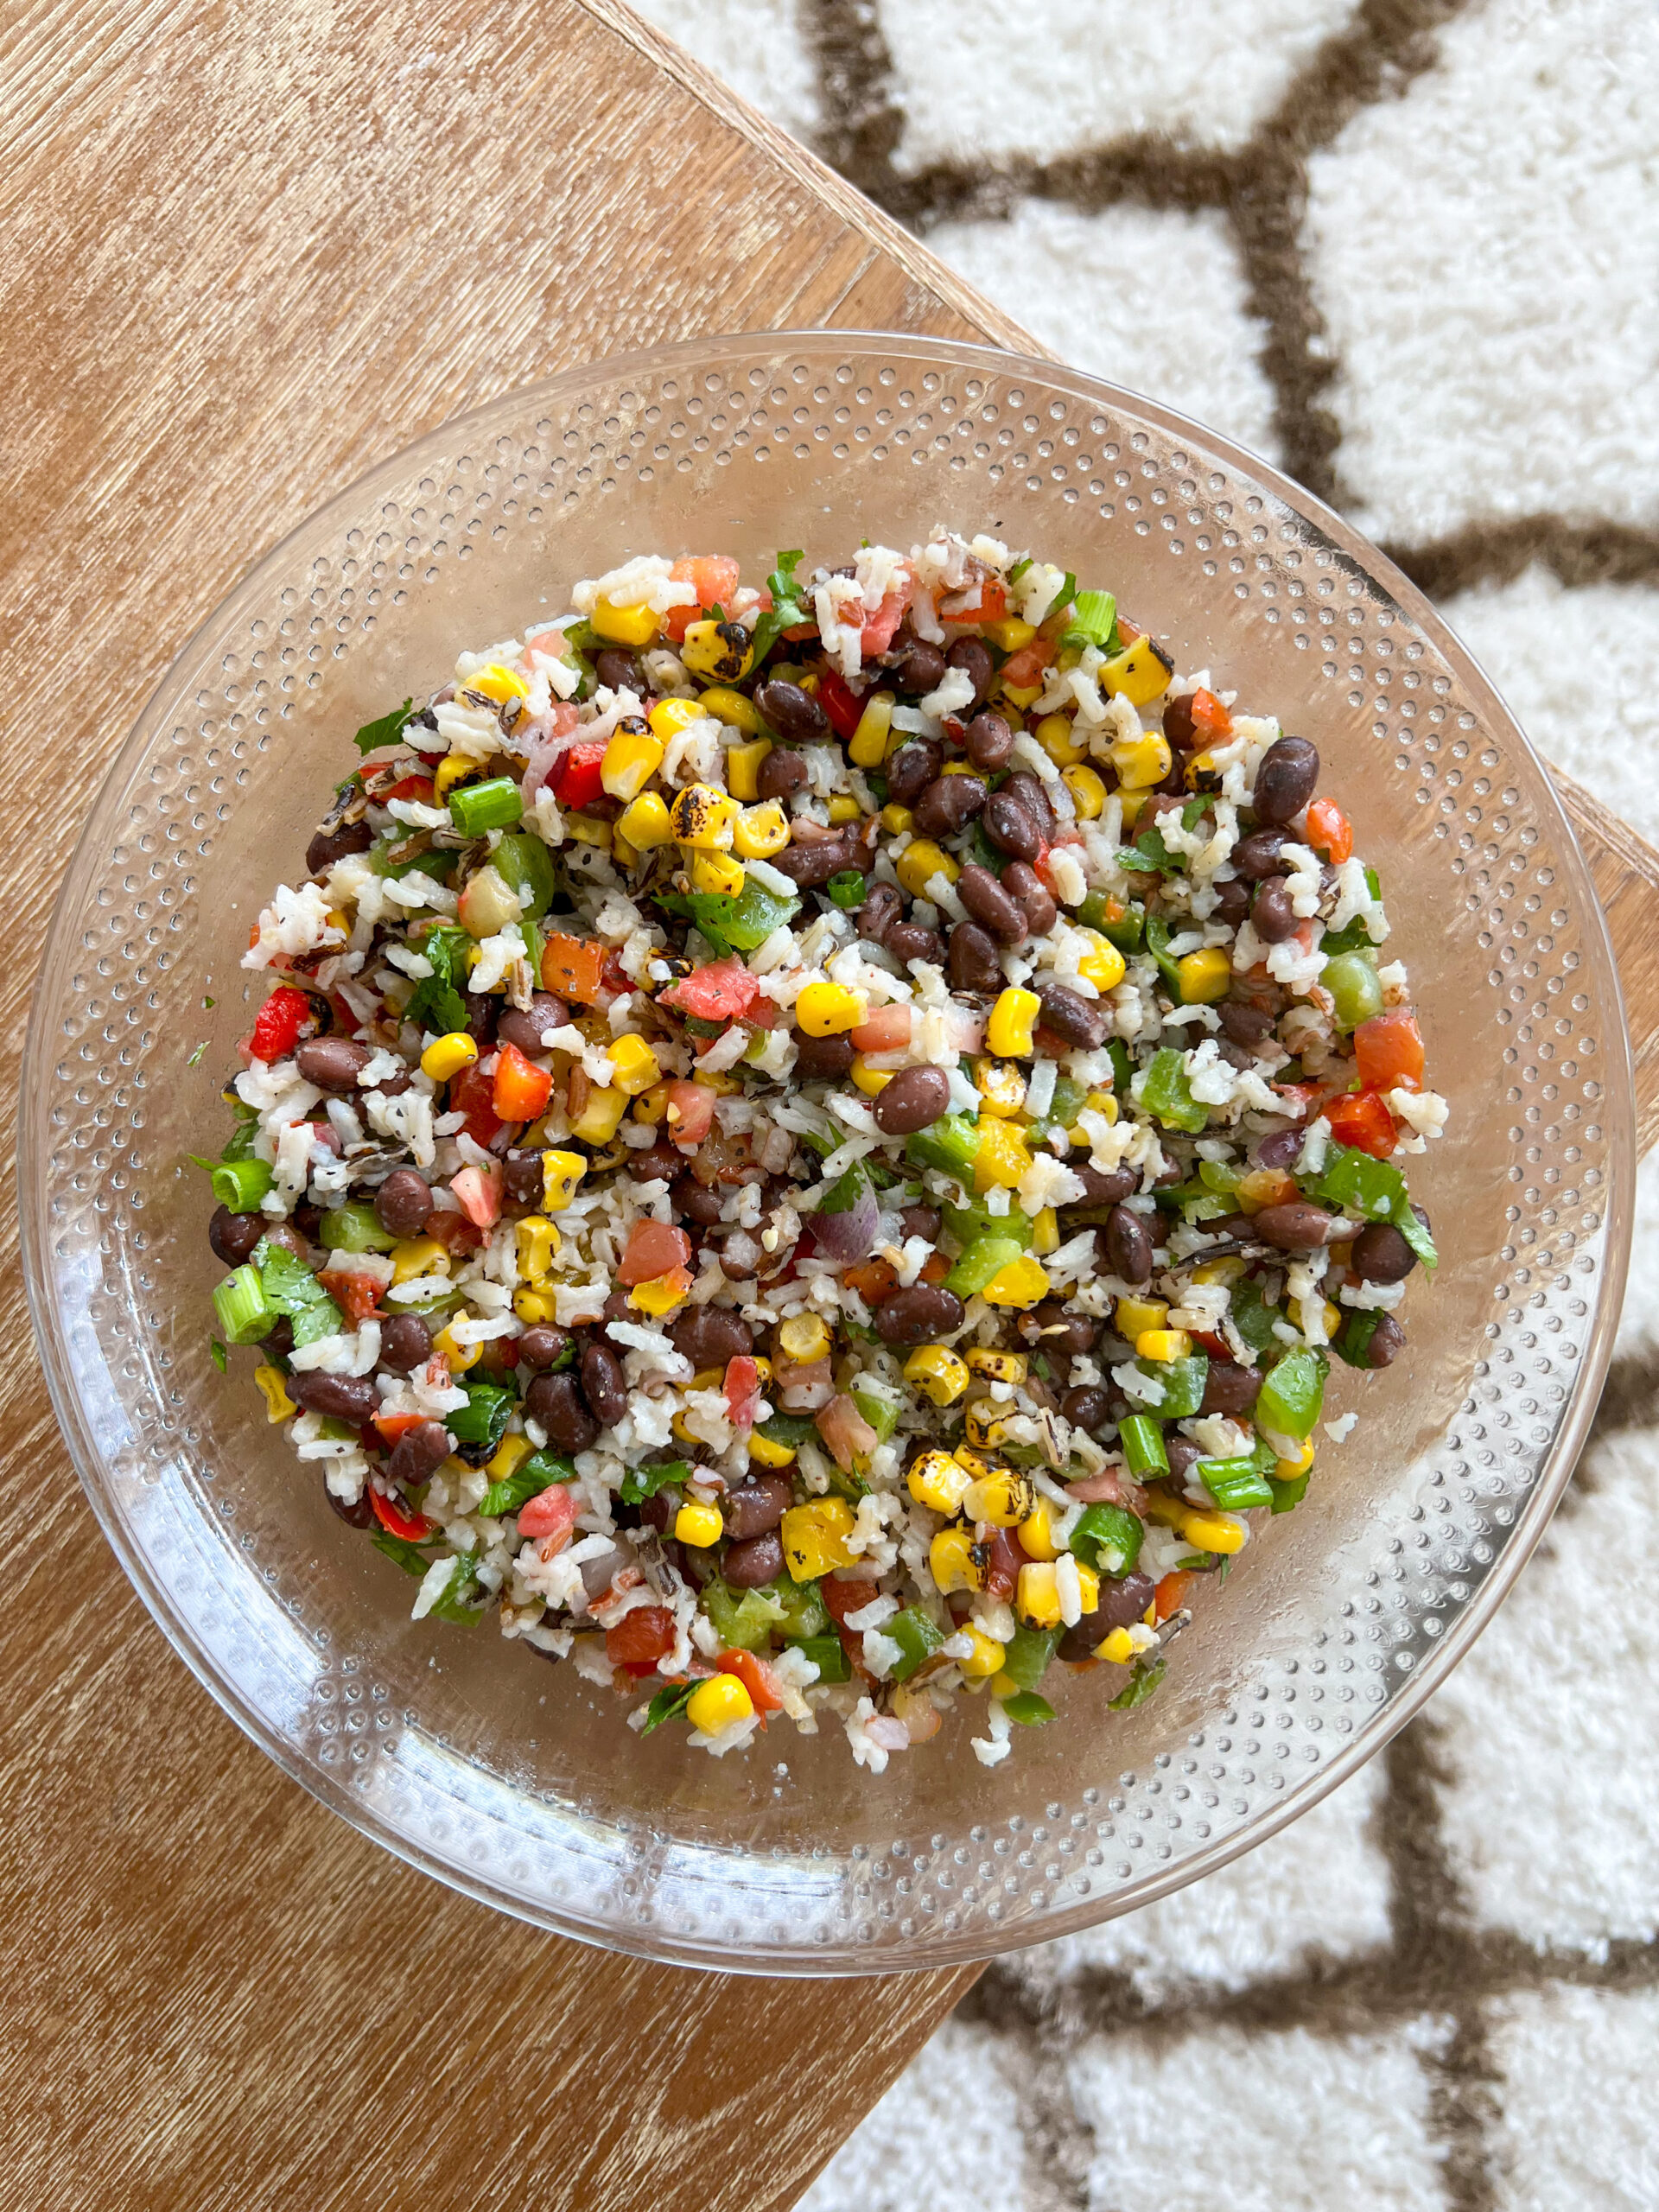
(811, 1146)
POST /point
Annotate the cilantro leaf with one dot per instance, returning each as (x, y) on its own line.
(667, 1705)
(641, 1483)
(787, 608)
(1146, 1681)
(387, 731)
(409, 1557)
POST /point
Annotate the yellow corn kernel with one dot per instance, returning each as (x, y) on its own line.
(1289, 1470)
(707, 1378)
(587, 829)
(701, 817)
(987, 1657)
(868, 1079)
(538, 1246)
(867, 746)
(937, 1373)
(936, 1480)
(1163, 1343)
(1018, 694)
(827, 1009)
(454, 769)
(766, 1453)
(534, 1307)
(1102, 964)
(1118, 1647)
(816, 1536)
(1088, 1586)
(459, 1357)
(762, 1369)
(986, 1423)
(670, 716)
(1054, 734)
(720, 1702)
(624, 854)
(561, 1172)
(1001, 1087)
(804, 1338)
(760, 831)
(447, 1056)
(698, 1525)
(646, 824)
(999, 1366)
(920, 861)
(598, 1120)
(678, 1425)
(1023, 1282)
(1132, 804)
(510, 1455)
(1037, 1532)
(1045, 1233)
(1004, 1498)
(1003, 1160)
(843, 807)
(651, 1105)
(1227, 1270)
(717, 1080)
(278, 1405)
(623, 626)
(1135, 1316)
(743, 762)
(737, 711)
(660, 1295)
(1201, 773)
(1141, 673)
(1037, 1599)
(1103, 1102)
(1213, 1532)
(1087, 790)
(896, 819)
(724, 650)
(634, 1066)
(1204, 976)
(418, 1255)
(1011, 633)
(716, 871)
(1142, 761)
(951, 1562)
(632, 758)
(498, 683)
(1013, 1022)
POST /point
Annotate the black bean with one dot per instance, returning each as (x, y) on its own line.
(822, 1058)
(659, 1510)
(1058, 1334)
(794, 714)
(780, 775)
(987, 902)
(709, 1336)
(913, 1100)
(481, 1011)
(913, 768)
(1387, 1342)
(989, 742)
(917, 1315)
(1280, 1150)
(556, 1404)
(754, 1562)
(526, 1027)
(1183, 1455)
(1032, 896)
(1273, 916)
(1028, 791)
(1121, 1604)
(333, 1063)
(1297, 1227)
(1285, 780)
(1232, 903)
(1080, 1021)
(882, 907)
(1229, 1388)
(920, 1221)
(390, 1086)
(656, 1163)
(1104, 1189)
(909, 941)
(918, 668)
(974, 965)
(1087, 1406)
(973, 657)
(1381, 1254)
(621, 670)
(279, 1340)
(811, 865)
(1245, 1025)
(1179, 727)
(522, 1182)
(405, 1343)
(604, 1384)
(757, 1505)
(328, 846)
(948, 805)
(1129, 1247)
(543, 1347)
(691, 1202)
(234, 1235)
(360, 1515)
(1262, 854)
(1010, 829)
(418, 1454)
(340, 1397)
(405, 1199)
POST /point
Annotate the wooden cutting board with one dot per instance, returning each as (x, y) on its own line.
(252, 250)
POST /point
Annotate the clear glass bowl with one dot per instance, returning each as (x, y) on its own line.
(516, 1781)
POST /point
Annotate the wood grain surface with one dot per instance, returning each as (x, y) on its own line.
(253, 251)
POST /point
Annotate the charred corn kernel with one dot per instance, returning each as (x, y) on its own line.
(1003, 1160)
(632, 758)
(702, 818)
(762, 1369)
(418, 1255)
(951, 1561)
(868, 748)
(918, 864)
(1054, 734)
(896, 819)
(986, 1423)
(987, 1657)
(1102, 964)
(510, 1455)
(1037, 1532)
(716, 871)
(646, 824)
(1201, 773)
(1020, 1284)
(1013, 1023)
(1118, 1647)
(939, 1374)
(843, 807)
(1141, 674)
(660, 1295)
(623, 626)
(743, 765)
(498, 683)
(816, 1537)
(1287, 1470)
(1142, 761)
(827, 1009)
(1135, 1316)
(459, 1357)
(737, 711)
(1004, 1498)
(670, 716)
(958, 768)
(724, 650)
(1227, 1270)
(760, 831)
(587, 829)
(1037, 1599)
(278, 1405)
(1214, 1532)
(561, 1172)
(1132, 804)
(533, 1306)
(1204, 976)
(1011, 633)
(1045, 1233)
(936, 1480)
(698, 1526)
(447, 1056)
(538, 1246)
(804, 1338)
(999, 1366)
(766, 1453)
(1163, 1343)
(453, 769)
(597, 1122)
(1001, 1087)
(634, 1066)
(720, 1702)
(1087, 790)
(868, 1079)
(651, 1105)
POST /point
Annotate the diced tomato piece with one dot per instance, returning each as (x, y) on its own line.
(478, 1190)
(717, 992)
(1025, 667)
(757, 1677)
(842, 1597)
(881, 627)
(742, 1390)
(874, 1280)
(887, 1028)
(1363, 1120)
(1301, 1097)
(551, 1513)
(614, 978)
(358, 1296)
(1389, 1050)
(840, 702)
(641, 1637)
(1329, 831)
(1170, 1594)
(415, 787)
(1127, 630)
(992, 604)
(577, 781)
(1003, 1565)
(846, 1434)
(1210, 718)
(390, 1427)
(1215, 1345)
(573, 967)
(690, 1112)
(413, 1527)
(286, 1016)
(714, 577)
(454, 1231)
(653, 1249)
(472, 1093)
(521, 1090)
(546, 641)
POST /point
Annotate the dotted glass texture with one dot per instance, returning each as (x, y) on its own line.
(516, 1780)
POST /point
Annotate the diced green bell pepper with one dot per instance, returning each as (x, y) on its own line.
(1182, 1381)
(353, 1228)
(1166, 1093)
(828, 1655)
(1293, 1393)
(744, 1622)
(1253, 1317)
(805, 1614)
(1359, 1183)
(985, 1257)
(917, 1637)
(950, 1144)
(523, 863)
(968, 1223)
(1027, 1653)
(1107, 1537)
(880, 1411)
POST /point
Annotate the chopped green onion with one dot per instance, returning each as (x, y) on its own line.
(1143, 1439)
(847, 889)
(477, 807)
(1234, 1484)
(241, 1183)
(1094, 615)
(244, 1312)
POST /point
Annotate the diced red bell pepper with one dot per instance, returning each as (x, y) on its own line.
(413, 1527)
(415, 787)
(521, 1090)
(881, 627)
(577, 780)
(653, 1249)
(840, 702)
(286, 1016)
(1389, 1050)
(1329, 831)
(992, 604)
(472, 1093)
(357, 1295)
(574, 968)
(714, 577)
(1362, 1120)
(718, 992)
(641, 1637)
(757, 1677)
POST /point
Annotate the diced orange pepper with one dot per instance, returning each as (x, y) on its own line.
(874, 1280)
(1389, 1050)
(1171, 1593)
(935, 1269)
(392, 1427)
(572, 967)
(1329, 831)
(522, 1089)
